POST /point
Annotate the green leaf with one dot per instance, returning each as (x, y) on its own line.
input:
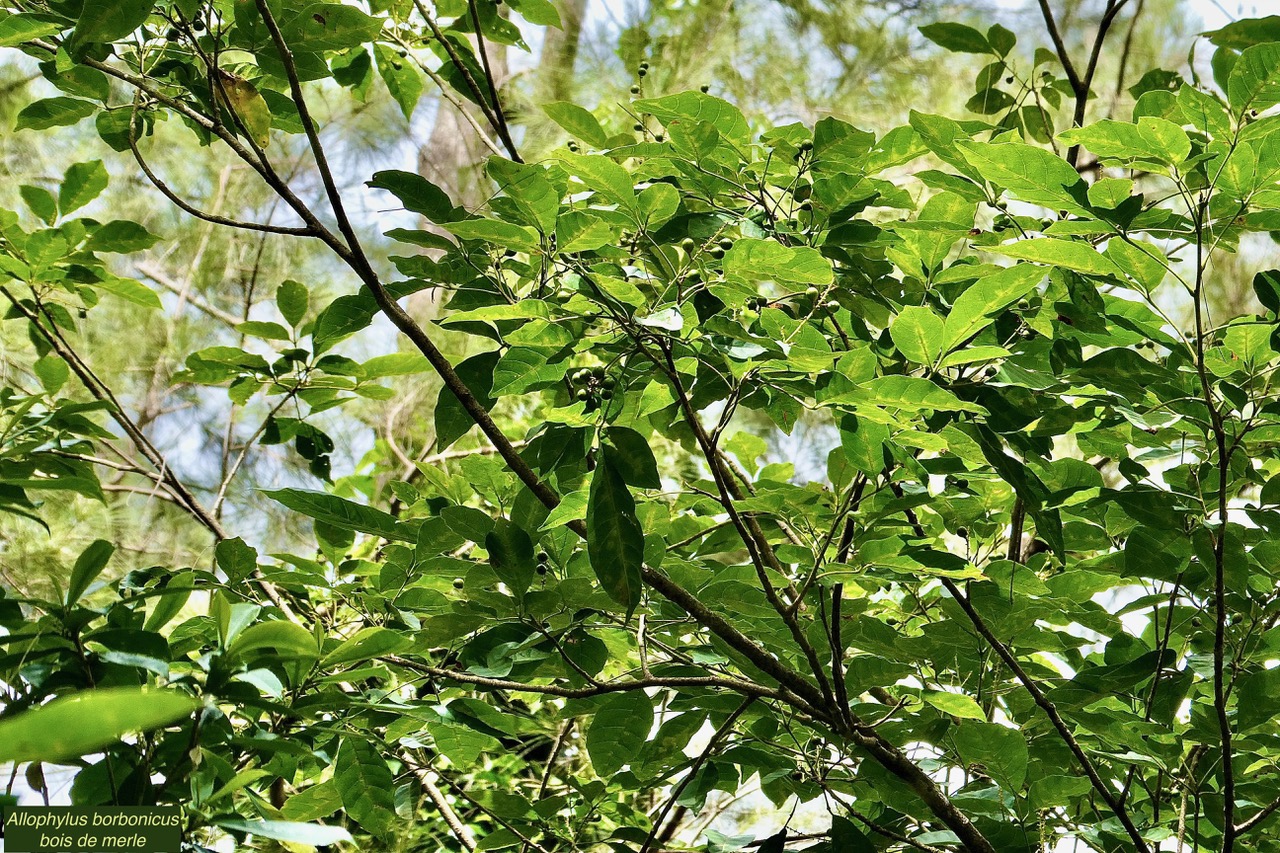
(366, 786)
(52, 371)
(999, 750)
(697, 107)
(751, 261)
(511, 556)
(1266, 285)
(317, 27)
(974, 309)
(1152, 139)
(308, 834)
(615, 541)
(396, 364)
(366, 643)
(417, 194)
(618, 731)
(955, 704)
(529, 190)
(578, 122)
(917, 332)
(1254, 83)
(1068, 254)
(130, 291)
(604, 176)
(264, 329)
(103, 21)
(403, 79)
(339, 512)
(956, 38)
(1029, 173)
(88, 566)
(517, 238)
(121, 237)
(83, 183)
(540, 13)
(89, 721)
(278, 639)
(452, 421)
(54, 112)
(41, 202)
(847, 838)
(292, 299)
(16, 29)
(633, 458)
(236, 558)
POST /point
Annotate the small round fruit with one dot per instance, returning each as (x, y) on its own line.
(198, 26)
(606, 394)
(644, 66)
(582, 395)
(542, 568)
(687, 244)
(597, 372)
(1195, 622)
(658, 137)
(811, 292)
(806, 146)
(638, 127)
(609, 383)
(832, 306)
(458, 583)
(173, 35)
(726, 243)
(962, 532)
(962, 484)
(717, 253)
(1023, 305)
(543, 556)
(1008, 79)
(990, 372)
(806, 206)
(642, 72)
(635, 90)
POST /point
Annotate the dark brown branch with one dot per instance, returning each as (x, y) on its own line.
(504, 131)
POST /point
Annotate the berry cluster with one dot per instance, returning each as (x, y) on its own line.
(592, 385)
